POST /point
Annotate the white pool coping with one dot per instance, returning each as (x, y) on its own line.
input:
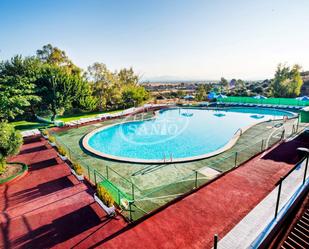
(227, 146)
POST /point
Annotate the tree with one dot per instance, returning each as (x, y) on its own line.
(134, 95)
(240, 84)
(103, 81)
(258, 90)
(10, 142)
(224, 84)
(287, 81)
(127, 76)
(55, 56)
(240, 88)
(114, 89)
(132, 92)
(17, 86)
(201, 93)
(180, 93)
(60, 90)
(232, 83)
(208, 87)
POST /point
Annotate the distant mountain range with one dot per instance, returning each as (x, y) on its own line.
(172, 79)
(176, 79)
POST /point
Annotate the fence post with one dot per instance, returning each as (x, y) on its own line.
(282, 135)
(130, 210)
(262, 145)
(305, 174)
(88, 172)
(195, 179)
(95, 177)
(278, 197)
(70, 156)
(236, 154)
(297, 123)
(132, 185)
(107, 172)
(215, 241)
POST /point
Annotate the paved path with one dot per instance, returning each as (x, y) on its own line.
(49, 208)
(250, 227)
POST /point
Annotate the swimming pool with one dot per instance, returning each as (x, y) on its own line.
(174, 135)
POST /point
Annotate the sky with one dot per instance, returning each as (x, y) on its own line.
(163, 39)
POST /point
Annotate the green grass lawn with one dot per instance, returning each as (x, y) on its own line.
(72, 117)
(28, 125)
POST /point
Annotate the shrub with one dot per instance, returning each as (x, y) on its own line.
(51, 139)
(62, 151)
(78, 168)
(45, 132)
(2, 165)
(104, 196)
(10, 142)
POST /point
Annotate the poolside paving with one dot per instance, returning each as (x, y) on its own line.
(163, 182)
(50, 208)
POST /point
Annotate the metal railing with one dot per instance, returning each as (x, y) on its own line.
(144, 201)
(286, 191)
(281, 181)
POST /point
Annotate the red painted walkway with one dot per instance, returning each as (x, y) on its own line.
(50, 208)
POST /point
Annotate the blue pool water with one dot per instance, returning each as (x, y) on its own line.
(180, 133)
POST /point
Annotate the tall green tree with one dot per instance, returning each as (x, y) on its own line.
(128, 76)
(201, 93)
(17, 86)
(133, 95)
(10, 142)
(55, 56)
(240, 84)
(61, 91)
(287, 81)
(224, 84)
(115, 88)
(103, 83)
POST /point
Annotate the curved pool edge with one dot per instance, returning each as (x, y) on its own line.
(226, 147)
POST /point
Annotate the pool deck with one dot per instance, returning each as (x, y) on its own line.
(253, 224)
(165, 180)
(50, 208)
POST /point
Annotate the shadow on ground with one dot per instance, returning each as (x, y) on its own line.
(60, 230)
(34, 149)
(43, 164)
(287, 151)
(41, 190)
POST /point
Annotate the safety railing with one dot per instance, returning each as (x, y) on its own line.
(286, 192)
(143, 201)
